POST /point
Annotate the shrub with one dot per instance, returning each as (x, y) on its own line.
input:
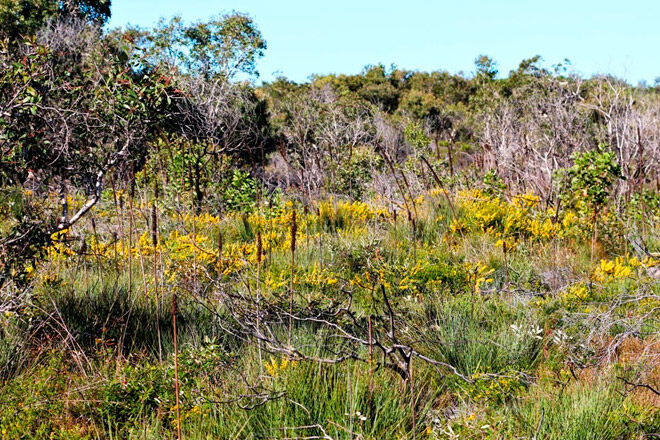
(241, 192)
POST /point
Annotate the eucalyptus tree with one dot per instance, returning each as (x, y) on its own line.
(23, 18)
(319, 131)
(224, 46)
(217, 115)
(71, 110)
(77, 102)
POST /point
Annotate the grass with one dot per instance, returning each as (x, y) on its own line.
(89, 355)
(581, 412)
(477, 336)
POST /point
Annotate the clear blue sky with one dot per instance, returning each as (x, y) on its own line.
(342, 36)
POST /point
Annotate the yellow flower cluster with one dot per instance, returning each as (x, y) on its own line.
(479, 274)
(203, 219)
(113, 249)
(319, 278)
(545, 229)
(175, 249)
(236, 256)
(576, 294)
(58, 248)
(195, 412)
(349, 212)
(274, 369)
(519, 217)
(425, 275)
(398, 275)
(492, 388)
(621, 268)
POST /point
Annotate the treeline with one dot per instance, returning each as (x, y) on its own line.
(83, 108)
(523, 128)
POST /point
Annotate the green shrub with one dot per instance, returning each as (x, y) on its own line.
(241, 192)
(354, 177)
(37, 404)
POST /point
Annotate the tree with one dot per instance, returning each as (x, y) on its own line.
(71, 110)
(23, 18)
(486, 67)
(319, 129)
(378, 88)
(77, 103)
(224, 46)
(592, 177)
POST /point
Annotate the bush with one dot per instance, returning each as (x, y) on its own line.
(354, 177)
(241, 192)
(36, 404)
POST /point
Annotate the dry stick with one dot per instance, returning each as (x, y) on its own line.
(318, 238)
(594, 236)
(130, 255)
(270, 231)
(439, 182)
(142, 265)
(555, 260)
(294, 229)
(154, 239)
(260, 251)
(220, 245)
(425, 180)
(194, 240)
(84, 260)
(371, 357)
(639, 385)
(538, 427)
(639, 183)
(154, 232)
(412, 395)
(474, 293)
(306, 219)
(259, 254)
(350, 405)
(65, 206)
(119, 214)
(176, 366)
(99, 265)
(391, 167)
(411, 218)
(506, 266)
(451, 159)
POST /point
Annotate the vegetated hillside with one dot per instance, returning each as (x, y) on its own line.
(390, 255)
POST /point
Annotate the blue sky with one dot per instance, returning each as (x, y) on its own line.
(342, 36)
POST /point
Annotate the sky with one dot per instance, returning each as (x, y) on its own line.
(342, 36)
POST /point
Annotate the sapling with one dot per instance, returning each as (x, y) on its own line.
(592, 177)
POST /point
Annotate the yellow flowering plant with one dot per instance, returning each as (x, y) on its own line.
(511, 220)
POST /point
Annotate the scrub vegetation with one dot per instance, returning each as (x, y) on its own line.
(388, 255)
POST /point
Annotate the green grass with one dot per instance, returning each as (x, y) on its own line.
(493, 347)
(580, 412)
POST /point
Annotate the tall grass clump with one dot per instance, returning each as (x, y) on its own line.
(483, 335)
(583, 411)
